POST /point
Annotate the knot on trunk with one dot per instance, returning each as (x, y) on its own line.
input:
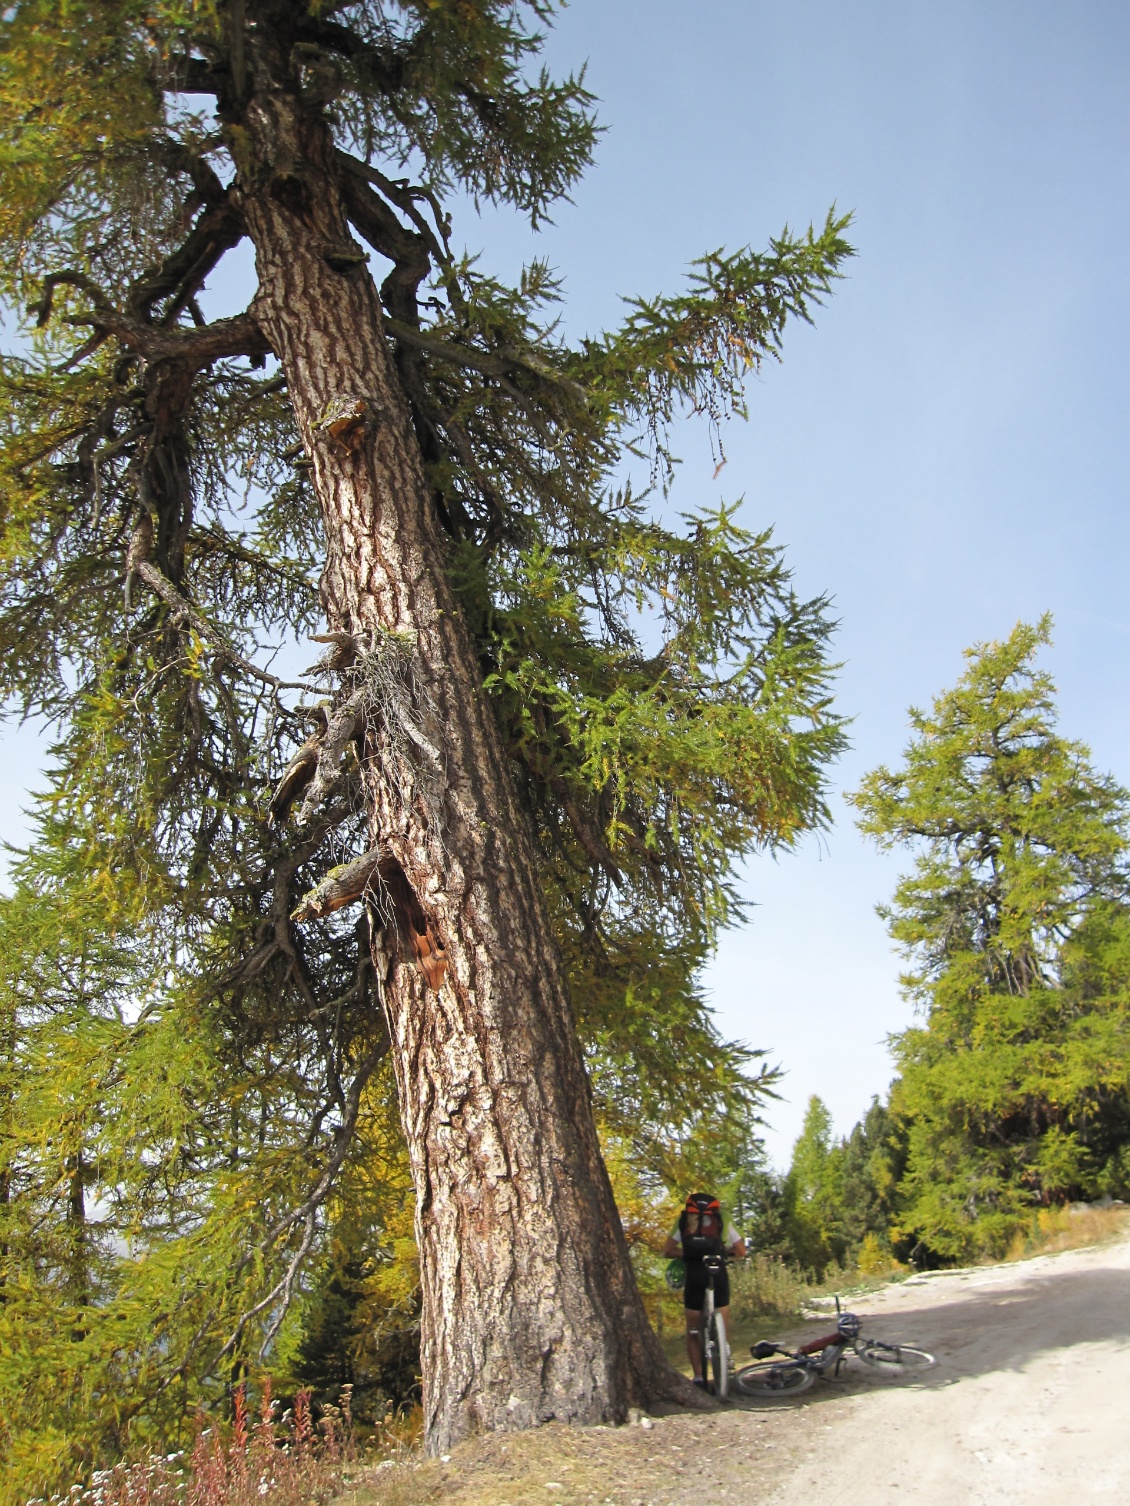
(291, 190)
(346, 419)
(344, 256)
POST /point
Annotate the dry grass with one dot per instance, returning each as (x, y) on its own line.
(666, 1461)
(1071, 1228)
(288, 1461)
(762, 1287)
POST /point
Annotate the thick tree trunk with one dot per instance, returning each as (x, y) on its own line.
(530, 1308)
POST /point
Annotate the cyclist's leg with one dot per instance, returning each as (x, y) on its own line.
(694, 1289)
(694, 1344)
(722, 1292)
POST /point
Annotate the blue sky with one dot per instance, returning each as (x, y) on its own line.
(945, 452)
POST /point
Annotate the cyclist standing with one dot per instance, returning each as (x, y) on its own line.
(702, 1231)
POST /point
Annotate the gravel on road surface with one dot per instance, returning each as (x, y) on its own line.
(1029, 1402)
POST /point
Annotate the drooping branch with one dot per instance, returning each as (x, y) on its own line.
(411, 251)
(217, 231)
(275, 937)
(305, 1215)
(587, 834)
(370, 213)
(500, 364)
(183, 611)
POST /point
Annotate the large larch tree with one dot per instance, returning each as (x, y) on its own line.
(549, 725)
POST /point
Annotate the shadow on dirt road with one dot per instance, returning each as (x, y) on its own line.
(1026, 1404)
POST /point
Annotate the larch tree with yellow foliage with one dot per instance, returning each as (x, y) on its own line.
(543, 729)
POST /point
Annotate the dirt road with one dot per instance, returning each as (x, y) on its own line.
(1029, 1404)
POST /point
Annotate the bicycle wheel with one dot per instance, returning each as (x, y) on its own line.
(895, 1359)
(720, 1356)
(775, 1380)
(706, 1335)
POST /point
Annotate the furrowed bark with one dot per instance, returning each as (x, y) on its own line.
(530, 1308)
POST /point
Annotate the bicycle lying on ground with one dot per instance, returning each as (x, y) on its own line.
(798, 1369)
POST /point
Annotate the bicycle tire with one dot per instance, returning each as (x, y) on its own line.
(775, 1380)
(720, 1357)
(894, 1359)
(705, 1335)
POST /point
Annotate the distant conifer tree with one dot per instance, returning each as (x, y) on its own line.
(1015, 1088)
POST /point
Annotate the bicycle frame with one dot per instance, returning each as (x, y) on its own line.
(833, 1346)
(706, 1332)
(831, 1350)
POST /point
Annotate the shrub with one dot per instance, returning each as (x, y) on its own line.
(292, 1460)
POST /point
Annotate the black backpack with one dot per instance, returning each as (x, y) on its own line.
(701, 1227)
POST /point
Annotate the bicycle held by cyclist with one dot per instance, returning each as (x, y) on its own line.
(701, 1241)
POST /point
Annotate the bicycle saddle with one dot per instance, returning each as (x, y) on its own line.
(764, 1350)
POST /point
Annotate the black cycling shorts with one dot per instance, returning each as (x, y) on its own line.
(694, 1288)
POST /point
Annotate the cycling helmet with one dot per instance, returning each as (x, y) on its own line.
(848, 1326)
(675, 1274)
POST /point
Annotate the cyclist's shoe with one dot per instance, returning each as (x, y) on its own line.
(700, 1382)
